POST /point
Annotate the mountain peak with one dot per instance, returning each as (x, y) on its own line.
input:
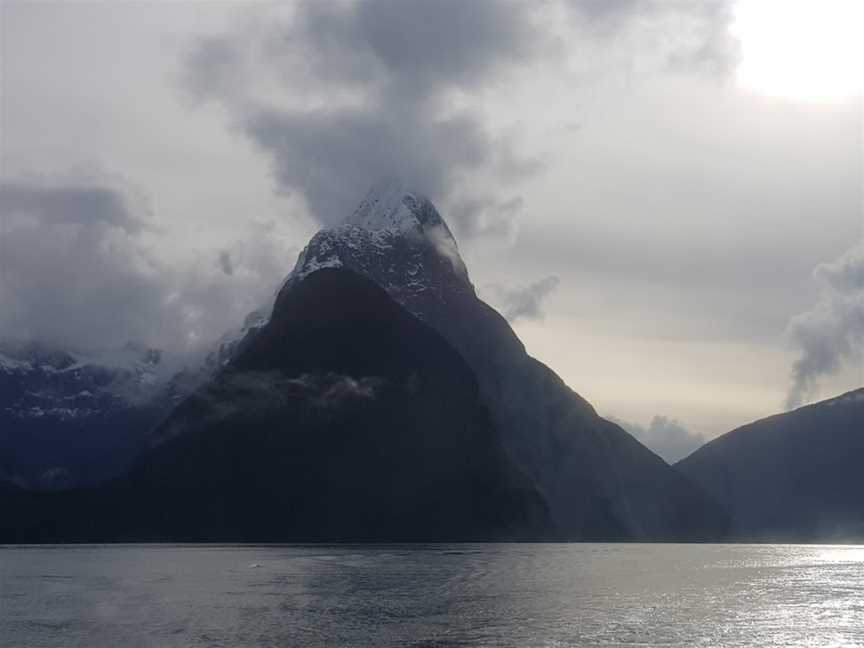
(391, 205)
(394, 232)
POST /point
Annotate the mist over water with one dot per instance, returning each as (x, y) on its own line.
(433, 595)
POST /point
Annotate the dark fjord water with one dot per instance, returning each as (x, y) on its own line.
(432, 595)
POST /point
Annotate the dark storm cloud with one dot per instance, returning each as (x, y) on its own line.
(432, 44)
(76, 271)
(665, 436)
(424, 45)
(340, 94)
(334, 158)
(72, 270)
(832, 333)
(382, 72)
(84, 205)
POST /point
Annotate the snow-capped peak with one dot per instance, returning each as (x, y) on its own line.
(390, 205)
(391, 208)
(398, 239)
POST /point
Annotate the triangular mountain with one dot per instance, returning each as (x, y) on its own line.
(599, 481)
(381, 399)
(796, 476)
(344, 418)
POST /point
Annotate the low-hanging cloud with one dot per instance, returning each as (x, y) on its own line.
(323, 389)
(333, 159)
(667, 437)
(80, 269)
(832, 333)
(524, 302)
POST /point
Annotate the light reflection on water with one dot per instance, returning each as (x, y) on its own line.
(433, 595)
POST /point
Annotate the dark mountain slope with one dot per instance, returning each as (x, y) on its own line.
(796, 476)
(344, 419)
(599, 481)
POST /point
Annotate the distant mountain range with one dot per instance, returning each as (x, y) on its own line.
(68, 418)
(379, 400)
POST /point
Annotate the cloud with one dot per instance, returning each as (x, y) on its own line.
(340, 388)
(524, 302)
(334, 158)
(339, 95)
(832, 333)
(80, 268)
(88, 204)
(488, 217)
(662, 35)
(72, 268)
(263, 390)
(667, 437)
(444, 42)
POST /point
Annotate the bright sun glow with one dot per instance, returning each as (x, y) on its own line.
(801, 49)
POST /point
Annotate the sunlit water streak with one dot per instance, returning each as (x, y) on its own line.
(433, 595)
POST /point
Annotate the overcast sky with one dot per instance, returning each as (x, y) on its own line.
(664, 197)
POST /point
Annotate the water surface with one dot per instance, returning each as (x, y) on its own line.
(433, 595)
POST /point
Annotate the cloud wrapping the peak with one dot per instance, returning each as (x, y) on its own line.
(338, 95)
(832, 333)
(334, 158)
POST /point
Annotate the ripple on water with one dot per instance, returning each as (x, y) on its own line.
(433, 595)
